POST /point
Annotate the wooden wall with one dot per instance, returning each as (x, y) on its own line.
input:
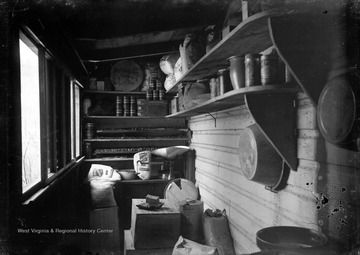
(249, 205)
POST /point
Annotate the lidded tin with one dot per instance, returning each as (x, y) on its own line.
(252, 70)
(269, 69)
(89, 130)
(224, 81)
(119, 106)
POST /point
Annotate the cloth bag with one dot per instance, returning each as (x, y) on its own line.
(217, 232)
(187, 247)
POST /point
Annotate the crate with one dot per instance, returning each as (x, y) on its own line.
(155, 229)
(152, 108)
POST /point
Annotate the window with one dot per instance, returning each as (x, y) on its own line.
(30, 114)
(50, 115)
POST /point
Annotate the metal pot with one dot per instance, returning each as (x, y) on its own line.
(258, 159)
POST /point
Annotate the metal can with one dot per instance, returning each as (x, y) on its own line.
(213, 87)
(149, 94)
(87, 150)
(269, 69)
(161, 94)
(89, 130)
(133, 106)
(119, 106)
(155, 94)
(224, 81)
(252, 70)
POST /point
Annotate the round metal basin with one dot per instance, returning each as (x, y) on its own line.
(291, 239)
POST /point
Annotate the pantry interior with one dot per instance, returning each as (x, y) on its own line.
(272, 150)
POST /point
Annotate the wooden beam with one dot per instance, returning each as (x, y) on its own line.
(130, 52)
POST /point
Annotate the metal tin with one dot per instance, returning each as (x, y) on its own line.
(133, 106)
(87, 150)
(149, 94)
(155, 94)
(252, 70)
(224, 81)
(213, 87)
(89, 130)
(119, 106)
(161, 94)
(269, 69)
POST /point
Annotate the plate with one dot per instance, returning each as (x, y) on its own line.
(150, 207)
(126, 75)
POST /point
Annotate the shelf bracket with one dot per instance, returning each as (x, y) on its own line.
(276, 117)
(212, 117)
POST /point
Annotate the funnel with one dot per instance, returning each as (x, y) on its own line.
(170, 153)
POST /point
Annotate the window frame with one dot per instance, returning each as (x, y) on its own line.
(55, 84)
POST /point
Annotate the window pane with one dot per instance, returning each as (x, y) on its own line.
(77, 120)
(30, 115)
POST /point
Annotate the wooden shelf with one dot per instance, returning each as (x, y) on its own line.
(98, 160)
(250, 36)
(232, 99)
(112, 92)
(135, 139)
(123, 117)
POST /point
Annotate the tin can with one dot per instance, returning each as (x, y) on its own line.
(119, 106)
(149, 94)
(89, 130)
(155, 94)
(224, 81)
(161, 94)
(269, 69)
(252, 70)
(87, 150)
(213, 87)
(133, 106)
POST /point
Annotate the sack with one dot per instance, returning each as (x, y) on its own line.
(102, 194)
(187, 247)
(217, 232)
(102, 172)
(142, 164)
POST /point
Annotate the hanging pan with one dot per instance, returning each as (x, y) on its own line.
(338, 110)
(258, 159)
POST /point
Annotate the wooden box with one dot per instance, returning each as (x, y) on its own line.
(152, 108)
(155, 229)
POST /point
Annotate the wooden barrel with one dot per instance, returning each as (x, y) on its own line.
(258, 159)
(338, 110)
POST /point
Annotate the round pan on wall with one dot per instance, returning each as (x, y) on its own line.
(126, 75)
(258, 159)
(338, 110)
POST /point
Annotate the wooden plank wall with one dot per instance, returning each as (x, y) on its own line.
(248, 205)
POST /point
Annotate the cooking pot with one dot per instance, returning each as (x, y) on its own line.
(258, 159)
(338, 110)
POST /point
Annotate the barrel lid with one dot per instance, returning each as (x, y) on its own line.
(337, 110)
(180, 190)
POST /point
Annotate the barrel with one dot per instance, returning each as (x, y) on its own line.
(191, 219)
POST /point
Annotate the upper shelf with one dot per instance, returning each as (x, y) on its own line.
(233, 98)
(111, 92)
(250, 36)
